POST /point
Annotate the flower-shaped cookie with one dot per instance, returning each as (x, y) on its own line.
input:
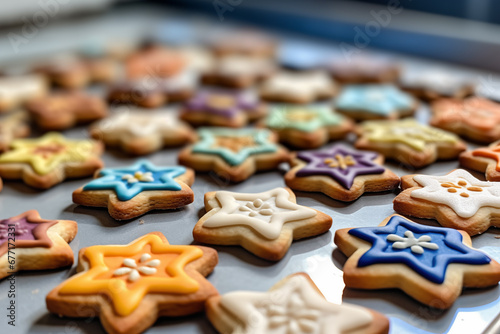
(474, 118)
(307, 127)
(485, 160)
(132, 191)
(363, 102)
(430, 264)
(130, 286)
(409, 142)
(232, 154)
(15, 91)
(141, 132)
(341, 173)
(263, 223)
(28, 242)
(61, 111)
(46, 161)
(294, 87)
(293, 305)
(456, 200)
(11, 127)
(223, 108)
(239, 71)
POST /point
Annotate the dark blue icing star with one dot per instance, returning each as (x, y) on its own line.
(432, 263)
(117, 179)
(362, 164)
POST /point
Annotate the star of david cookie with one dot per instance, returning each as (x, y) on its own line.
(475, 118)
(430, 264)
(140, 132)
(13, 126)
(361, 70)
(341, 173)
(457, 200)
(293, 305)
(291, 87)
(154, 61)
(239, 71)
(16, 91)
(232, 154)
(265, 223)
(130, 286)
(61, 111)
(223, 108)
(409, 142)
(132, 191)
(46, 161)
(365, 102)
(307, 127)
(244, 43)
(485, 160)
(28, 242)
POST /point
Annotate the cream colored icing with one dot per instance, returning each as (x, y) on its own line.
(416, 245)
(264, 212)
(459, 190)
(134, 270)
(292, 308)
(139, 123)
(299, 84)
(139, 177)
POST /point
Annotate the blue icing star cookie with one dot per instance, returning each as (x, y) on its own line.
(130, 181)
(377, 99)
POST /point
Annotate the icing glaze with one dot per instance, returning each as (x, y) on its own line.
(304, 85)
(265, 212)
(416, 245)
(236, 65)
(489, 152)
(47, 153)
(377, 99)
(125, 294)
(459, 190)
(139, 123)
(292, 307)
(234, 146)
(29, 231)
(126, 184)
(339, 163)
(408, 132)
(432, 264)
(222, 103)
(307, 119)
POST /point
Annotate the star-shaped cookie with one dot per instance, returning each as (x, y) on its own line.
(130, 286)
(265, 223)
(154, 61)
(341, 173)
(475, 118)
(140, 132)
(46, 161)
(430, 264)
(247, 43)
(485, 160)
(28, 242)
(409, 142)
(293, 305)
(363, 69)
(457, 200)
(13, 126)
(365, 102)
(64, 110)
(17, 90)
(233, 154)
(307, 127)
(294, 87)
(223, 108)
(132, 191)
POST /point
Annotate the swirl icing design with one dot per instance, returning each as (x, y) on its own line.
(377, 99)
(339, 163)
(266, 212)
(307, 119)
(446, 247)
(234, 146)
(294, 307)
(489, 152)
(223, 103)
(130, 181)
(459, 190)
(408, 132)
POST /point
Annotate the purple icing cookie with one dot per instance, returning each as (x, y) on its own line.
(224, 103)
(23, 229)
(340, 163)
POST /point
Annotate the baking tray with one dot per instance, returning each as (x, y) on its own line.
(237, 269)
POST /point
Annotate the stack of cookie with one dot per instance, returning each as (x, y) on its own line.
(233, 110)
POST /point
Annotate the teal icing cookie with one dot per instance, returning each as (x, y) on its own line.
(378, 99)
(307, 118)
